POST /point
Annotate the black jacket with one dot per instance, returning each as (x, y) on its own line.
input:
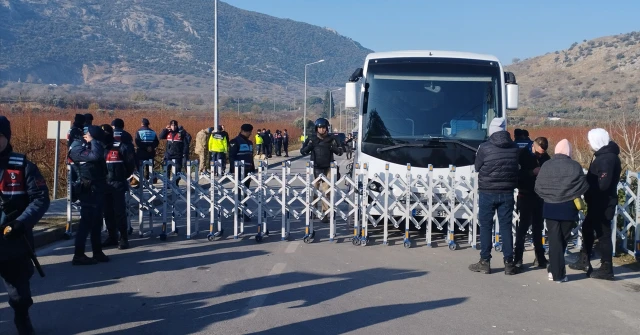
(241, 148)
(121, 163)
(177, 143)
(603, 177)
(322, 150)
(497, 164)
(528, 162)
(91, 161)
(147, 142)
(27, 199)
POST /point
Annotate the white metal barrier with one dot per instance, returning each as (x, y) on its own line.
(444, 205)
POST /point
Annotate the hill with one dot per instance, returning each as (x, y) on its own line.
(166, 46)
(586, 81)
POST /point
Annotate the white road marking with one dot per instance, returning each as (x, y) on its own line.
(120, 327)
(291, 248)
(260, 296)
(277, 269)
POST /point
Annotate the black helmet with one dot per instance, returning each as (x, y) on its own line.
(321, 122)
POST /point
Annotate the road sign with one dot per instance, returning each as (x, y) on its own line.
(55, 133)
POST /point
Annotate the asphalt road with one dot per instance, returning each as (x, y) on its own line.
(241, 287)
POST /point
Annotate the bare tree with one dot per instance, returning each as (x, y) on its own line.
(626, 131)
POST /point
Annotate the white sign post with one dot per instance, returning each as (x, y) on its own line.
(55, 131)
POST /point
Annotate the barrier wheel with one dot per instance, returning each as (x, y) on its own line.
(307, 239)
(453, 246)
(355, 241)
(259, 238)
(210, 237)
(163, 237)
(67, 236)
(498, 248)
(363, 242)
(407, 244)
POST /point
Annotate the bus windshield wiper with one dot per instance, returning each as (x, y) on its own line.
(406, 145)
(447, 140)
(426, 145)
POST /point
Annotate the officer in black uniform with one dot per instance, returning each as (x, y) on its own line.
(92, 169)
(285, 143)
(121, 163)
(241, 148)
(75, 137)
(25, 191)
(147, 143)
(177, 145)
(322, 147)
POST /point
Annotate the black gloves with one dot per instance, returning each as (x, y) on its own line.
(13, 229)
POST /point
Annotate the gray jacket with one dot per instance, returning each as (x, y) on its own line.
(561, 179)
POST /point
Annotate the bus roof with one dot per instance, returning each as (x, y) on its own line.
(429, 53)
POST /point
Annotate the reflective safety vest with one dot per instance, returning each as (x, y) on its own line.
(218, 143)
(258, 139)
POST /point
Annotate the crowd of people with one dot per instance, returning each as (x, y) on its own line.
(551, 189)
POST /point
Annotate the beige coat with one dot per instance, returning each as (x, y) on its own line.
(202, 140)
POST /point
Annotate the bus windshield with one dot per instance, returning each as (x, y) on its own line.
(439, 108)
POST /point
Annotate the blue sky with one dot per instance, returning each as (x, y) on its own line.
(506, 29)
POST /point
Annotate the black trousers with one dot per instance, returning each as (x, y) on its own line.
(597, 222)
(278, 149)
(91, 208)
(530, 208)
(285, 146)
(559, 235)
(16, 274)
(178, 166)
(115, 216)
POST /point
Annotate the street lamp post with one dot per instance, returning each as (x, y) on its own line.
(331, 102)
(216, 116)
(304, 117)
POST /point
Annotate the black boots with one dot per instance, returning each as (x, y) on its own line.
(583, 263)
(484, 266)
(510, 268)
(124, 242)
(605, 271)
(23, 323)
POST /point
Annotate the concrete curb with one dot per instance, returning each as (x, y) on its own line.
(48, 235)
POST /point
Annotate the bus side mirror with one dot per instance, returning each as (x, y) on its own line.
(512, 96)
(350, 96)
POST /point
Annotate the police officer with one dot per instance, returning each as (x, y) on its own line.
(147, 142)
(120, 135)
(285, 143)
(241, 148)
(218, 146)
(92, 169)
(25, 191)
(322, 147)
(278, 142)
(177, 145)
(75, 137)
(259, 144)
(120, 161)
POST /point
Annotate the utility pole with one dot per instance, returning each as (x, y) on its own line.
(216, 116)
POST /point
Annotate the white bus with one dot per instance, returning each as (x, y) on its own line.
(426, 108)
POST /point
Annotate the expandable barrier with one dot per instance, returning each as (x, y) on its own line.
(444, 204)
